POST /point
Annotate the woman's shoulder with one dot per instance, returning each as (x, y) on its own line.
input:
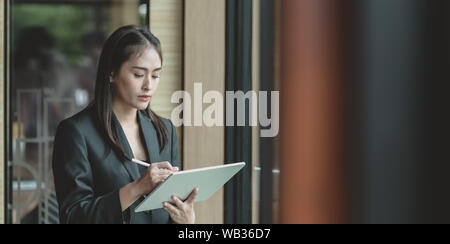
(83, 120)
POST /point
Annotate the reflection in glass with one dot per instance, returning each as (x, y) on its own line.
(54, 53)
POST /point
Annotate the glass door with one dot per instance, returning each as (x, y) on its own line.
(55, 46)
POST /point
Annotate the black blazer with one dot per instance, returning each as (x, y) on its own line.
(89, 174)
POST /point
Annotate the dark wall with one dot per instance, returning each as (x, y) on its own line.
(402, 134)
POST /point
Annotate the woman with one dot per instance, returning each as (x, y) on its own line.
(95, 180)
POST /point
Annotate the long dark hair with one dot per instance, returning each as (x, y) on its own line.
(118, 48)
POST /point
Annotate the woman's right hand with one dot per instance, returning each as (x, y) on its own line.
(155, 175)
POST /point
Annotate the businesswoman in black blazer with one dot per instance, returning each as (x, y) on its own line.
(95, 180)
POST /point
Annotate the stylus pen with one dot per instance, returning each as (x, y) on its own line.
(140, 162)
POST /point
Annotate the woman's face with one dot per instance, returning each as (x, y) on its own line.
(138, 79)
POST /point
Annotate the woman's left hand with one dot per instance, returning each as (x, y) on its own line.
(182, 212)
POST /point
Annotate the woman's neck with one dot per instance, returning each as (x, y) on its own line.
(125, 114)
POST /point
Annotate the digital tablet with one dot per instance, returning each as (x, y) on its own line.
(182, 183)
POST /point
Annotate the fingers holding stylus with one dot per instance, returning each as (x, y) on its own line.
(164, 172)
(154, 176)
(164, 165)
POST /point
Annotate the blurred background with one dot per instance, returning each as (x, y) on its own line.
(364, 130)
(54, 49)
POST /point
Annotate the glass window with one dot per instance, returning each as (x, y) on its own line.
(55, 46)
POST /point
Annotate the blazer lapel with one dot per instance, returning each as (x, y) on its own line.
(131, 167)
(150, 137)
